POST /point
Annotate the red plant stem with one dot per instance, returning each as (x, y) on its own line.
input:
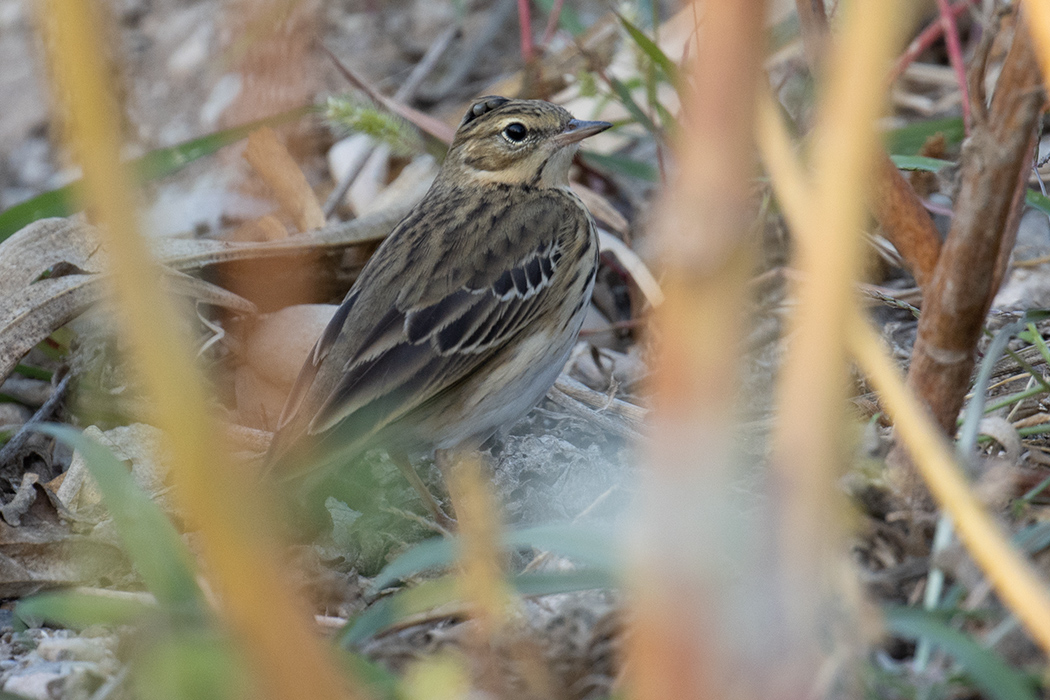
(552, 23)
(922, 42)
(955, 57)
(528, 51)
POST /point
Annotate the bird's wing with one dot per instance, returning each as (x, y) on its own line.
(431, 308)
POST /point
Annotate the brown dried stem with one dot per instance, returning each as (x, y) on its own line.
(995, 162)
(905, 221)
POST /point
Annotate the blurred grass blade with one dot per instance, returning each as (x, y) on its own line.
(194, 664)
(153, 165)
(385, 612)
(153, 545)
(587, 546)
(621, 165)
(79, 610)
(908, 140)
(987, 670)
(931, 165)
(556, 582)
(623, 94)
(654, 52)
(430, 595)
(165, 161)
(54, 203)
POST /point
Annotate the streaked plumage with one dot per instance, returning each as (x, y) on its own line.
(464, 316)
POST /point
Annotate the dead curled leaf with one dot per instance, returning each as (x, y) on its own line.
(36, 304)
(42, 552)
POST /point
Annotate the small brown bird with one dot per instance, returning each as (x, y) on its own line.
(465, 315)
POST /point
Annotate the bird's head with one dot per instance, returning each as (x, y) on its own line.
(529, 142)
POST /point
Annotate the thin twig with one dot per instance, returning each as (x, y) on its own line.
(922, 42)
(16, 443)
(955, 57)
(552, 24)
(528, 51)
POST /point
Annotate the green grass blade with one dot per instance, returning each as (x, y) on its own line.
(432, 594)
(80, 610)
(983, 667)
(153, 545)
(44, 206)
(1037, 200)
(621, 166)
(909, 140)
(153, 165)
(34, 372)
(584, 545)
(931, 165)
(624, 97)
(654, 52)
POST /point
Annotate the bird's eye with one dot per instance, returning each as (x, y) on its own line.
(515, 132)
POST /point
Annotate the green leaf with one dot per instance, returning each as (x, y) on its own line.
(983, 667)
(80, 610)
(931, 165)
(909, 140)
(155, 548)
(623, 94)
(153, 165)
(654, 52)
(165, 161)
(44, 206)
(34, 372)
(1037, 200)
(621, 165)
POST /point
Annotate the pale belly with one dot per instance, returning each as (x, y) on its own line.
(504, 397)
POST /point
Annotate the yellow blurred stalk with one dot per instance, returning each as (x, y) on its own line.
(1010, 572)
(811, 437)
(481, 581)
(287, 659)
(1039, 26)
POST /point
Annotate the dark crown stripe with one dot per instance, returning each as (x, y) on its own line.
(483, 105)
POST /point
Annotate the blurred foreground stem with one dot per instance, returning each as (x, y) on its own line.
(683, 603)
(286, 658)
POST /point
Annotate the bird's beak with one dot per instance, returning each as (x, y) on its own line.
(576, 131)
